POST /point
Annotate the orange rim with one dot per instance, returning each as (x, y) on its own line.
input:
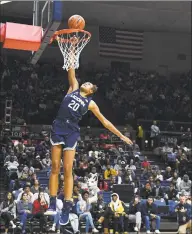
(68, 31)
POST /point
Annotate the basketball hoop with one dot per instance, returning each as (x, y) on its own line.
(71, 42)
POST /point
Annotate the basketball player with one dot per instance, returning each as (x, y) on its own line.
(64, 135)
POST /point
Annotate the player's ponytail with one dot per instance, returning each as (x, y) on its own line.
(94, 89)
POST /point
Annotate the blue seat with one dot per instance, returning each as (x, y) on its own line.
(165, 183)
(143, 201)
(163, 210)
(41, 174)
(172, 205)
(165, 189)
(160, 202)
(143, 182)
(43, 180)
(172, 157)
(107, 197)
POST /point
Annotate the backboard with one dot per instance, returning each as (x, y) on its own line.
(49, 18)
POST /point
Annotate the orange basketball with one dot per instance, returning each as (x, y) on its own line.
(76, 22)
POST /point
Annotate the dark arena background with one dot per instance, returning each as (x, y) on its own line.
(140, 57)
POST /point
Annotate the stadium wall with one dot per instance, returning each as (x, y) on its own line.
(162, 51)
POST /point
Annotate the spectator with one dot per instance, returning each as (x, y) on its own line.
(172, 193)
(40, 206)
(8, 211)
(104, 136)
(36, 187)
(83, 210)
(185, 184)
(159, 175)
(24, 159)
(110, 184)
(171, 127)
(168, 173)
(24, 209)
(145, 164)
(184, 212)
(157, 191)
(37, 164)
(16, 189)
(27, 190)
(146, 191)
(93, 174)
(61, 181)
(44, 194)
(118, 211)
(135, 213)
(119, 178)
(183, 165)
(20, 171)
(175, 180)
(151, 181)
(132, 166)
(139, 137)
(24, 174)
(149, 212)
(100, 207)
(135, 147)
(118, 166)
(46, 162)
(7, 158)
(129, 177)
(11, 164)
(155, 132)
(109, 172)
(76, 194)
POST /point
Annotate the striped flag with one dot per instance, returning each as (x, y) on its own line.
(119, 43)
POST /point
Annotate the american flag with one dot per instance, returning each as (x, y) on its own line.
(119, 43)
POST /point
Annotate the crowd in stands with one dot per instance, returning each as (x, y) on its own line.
(37, 92)
(97, 172)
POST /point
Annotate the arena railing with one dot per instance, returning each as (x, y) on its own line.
(37, 132)
(40, 131)
(163, 124)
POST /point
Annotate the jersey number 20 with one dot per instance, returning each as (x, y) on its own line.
(73, 105)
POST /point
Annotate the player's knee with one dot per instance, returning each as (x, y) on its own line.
(55, 166)
(68, 170)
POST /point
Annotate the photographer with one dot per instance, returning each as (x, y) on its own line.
(184, 211)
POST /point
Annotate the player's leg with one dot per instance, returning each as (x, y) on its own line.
(68, 159)
(53, 183)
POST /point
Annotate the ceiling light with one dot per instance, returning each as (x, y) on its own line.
(4, 2)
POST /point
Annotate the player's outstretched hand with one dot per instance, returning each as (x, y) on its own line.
(126, 140)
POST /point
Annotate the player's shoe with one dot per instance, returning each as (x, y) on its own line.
(64, 218)
(52, 207)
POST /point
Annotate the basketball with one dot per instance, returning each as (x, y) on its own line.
(76, 22)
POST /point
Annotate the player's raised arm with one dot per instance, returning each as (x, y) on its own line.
(73, 83)
(106, 123)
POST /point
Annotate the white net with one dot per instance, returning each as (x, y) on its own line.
(71, 44)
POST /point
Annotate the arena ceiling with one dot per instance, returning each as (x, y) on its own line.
(167, 16)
